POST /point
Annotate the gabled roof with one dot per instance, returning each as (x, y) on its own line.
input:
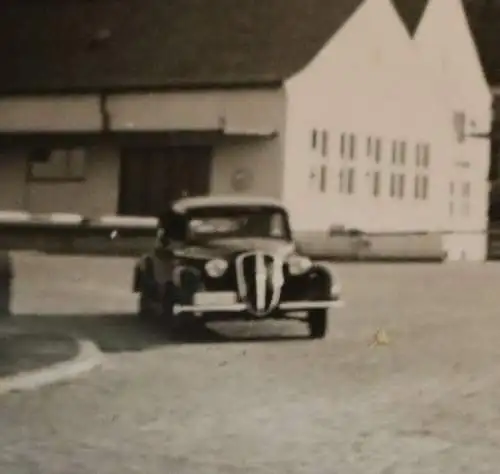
(89, 45)
(484, 21)
(411, 12)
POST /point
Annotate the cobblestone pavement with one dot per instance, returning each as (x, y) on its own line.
(428, 402)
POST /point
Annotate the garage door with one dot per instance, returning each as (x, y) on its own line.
(150, 178)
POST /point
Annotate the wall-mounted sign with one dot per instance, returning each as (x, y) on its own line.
(242, 179)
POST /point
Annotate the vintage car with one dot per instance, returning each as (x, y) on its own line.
(231, 258)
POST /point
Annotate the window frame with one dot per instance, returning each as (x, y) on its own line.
(67, 172)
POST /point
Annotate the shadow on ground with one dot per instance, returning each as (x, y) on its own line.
(125, 333)
(26, 352)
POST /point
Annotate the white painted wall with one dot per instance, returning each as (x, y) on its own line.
(451, 54)
(367, 81)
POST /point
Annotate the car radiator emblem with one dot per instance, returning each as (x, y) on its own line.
(264, 279)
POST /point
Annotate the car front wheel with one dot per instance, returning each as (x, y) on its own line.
(317, 321)
(144, 310)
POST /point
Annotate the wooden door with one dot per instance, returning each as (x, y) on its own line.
(150, 178)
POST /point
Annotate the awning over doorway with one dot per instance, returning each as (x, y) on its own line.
(163, 117)
(250, 132)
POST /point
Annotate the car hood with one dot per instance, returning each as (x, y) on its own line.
(225, 248)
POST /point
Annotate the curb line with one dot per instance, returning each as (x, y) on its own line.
(89, 357)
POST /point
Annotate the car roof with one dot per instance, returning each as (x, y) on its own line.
(184, 204)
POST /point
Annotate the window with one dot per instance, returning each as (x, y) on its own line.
(322, 178)
(376, 183)
(402, 153)
(459, 124)
(378, 150)
(400, 190)
(347, 180)
(465, 208)
(416, 189)
(314, 139)
(259, 222)
(425, 187)
(342, 145)
(397, 185)
(350, 180)
(466, 192)
(421, 186)
(422, 179)
(352, 146)
(394, 152)
(392, 185)
(57, 165)
(324, 143)
(425, 156)
(342, 181)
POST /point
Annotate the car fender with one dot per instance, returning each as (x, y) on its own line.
(328, 278)
(142, 272)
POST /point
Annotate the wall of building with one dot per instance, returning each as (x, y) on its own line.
(243, 114)
(94, 195)
(366, 83)
(256, 161)
(78, 113)
(453, 58)
(13, 186)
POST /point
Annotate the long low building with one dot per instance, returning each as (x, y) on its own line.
(361, 113)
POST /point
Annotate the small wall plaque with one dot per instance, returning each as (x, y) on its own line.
(242, 179)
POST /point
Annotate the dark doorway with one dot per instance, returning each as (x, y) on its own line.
(150, 178)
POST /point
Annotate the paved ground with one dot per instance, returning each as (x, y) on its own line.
(259, 399)
(27, 352)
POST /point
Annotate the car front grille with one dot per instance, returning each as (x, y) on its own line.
(259, 281)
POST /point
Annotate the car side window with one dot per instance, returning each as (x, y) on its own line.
(172, 226)
(277, 225)
(160, 236)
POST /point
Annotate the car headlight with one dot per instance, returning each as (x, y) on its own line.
(215, 268)
(298, 265)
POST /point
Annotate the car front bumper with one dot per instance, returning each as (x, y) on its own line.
(285, 306)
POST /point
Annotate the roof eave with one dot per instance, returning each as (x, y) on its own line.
(271, 83)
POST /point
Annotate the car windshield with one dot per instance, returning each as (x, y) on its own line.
(245, 222)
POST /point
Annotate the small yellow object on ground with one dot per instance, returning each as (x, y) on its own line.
(381, 338)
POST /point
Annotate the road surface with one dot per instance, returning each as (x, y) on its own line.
(259, 398)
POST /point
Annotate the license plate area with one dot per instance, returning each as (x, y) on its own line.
(214, 298)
